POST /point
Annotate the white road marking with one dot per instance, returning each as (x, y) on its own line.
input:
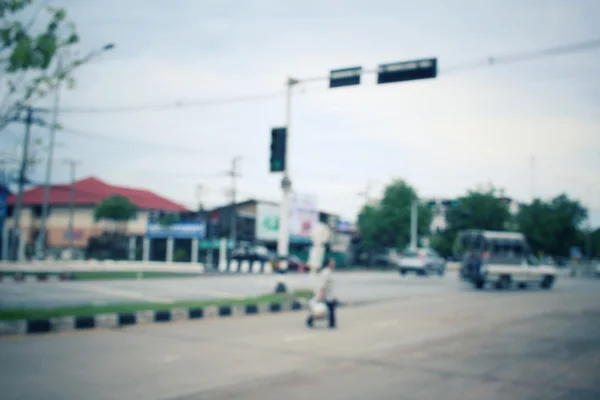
(122, 293)
(298, 338)
(386, 324)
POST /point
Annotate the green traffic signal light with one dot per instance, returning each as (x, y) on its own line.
(278, 144)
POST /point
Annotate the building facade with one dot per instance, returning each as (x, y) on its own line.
(87, 194)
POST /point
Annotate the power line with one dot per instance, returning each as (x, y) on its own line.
(482, 63)
(171, 106)
(101, 136)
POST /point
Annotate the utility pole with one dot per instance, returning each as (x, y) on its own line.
(366, 194)
(16, 244)
(233, 217)
(283, 239)
(532, 178)
(413, 224)
(200, 193)
(41, 239)
(72, 166)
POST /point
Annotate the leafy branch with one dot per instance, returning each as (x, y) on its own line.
(29, 60)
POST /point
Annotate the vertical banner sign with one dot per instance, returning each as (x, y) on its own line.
(345, 77)
(304, 215)
(407, 71)
(267, 222)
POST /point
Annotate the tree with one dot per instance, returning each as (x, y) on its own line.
(117, 209)
(553, 227)
(595, 239)
(28, 54)
(387, 224)
(481, 208)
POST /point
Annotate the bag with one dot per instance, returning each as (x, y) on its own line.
(318, 309)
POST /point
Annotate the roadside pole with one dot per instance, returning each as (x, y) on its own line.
(17, 237)
(414, 216)
(283, 240)
(71, 224)
(386, 73)
(41, 239)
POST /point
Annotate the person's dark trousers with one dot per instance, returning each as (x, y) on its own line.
(331, 305)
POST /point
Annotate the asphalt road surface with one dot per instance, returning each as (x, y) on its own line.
(460, 344)
(350, 286)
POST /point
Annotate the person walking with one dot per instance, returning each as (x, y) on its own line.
(325, 294)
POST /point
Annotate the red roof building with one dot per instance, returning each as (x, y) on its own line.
(91, 191)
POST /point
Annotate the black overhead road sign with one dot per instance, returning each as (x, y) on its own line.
(407, 71)
(345, 77)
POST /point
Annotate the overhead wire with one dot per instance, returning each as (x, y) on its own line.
(478, 64)
(489, 61)
(101, 136)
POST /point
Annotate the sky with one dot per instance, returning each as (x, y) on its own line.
(473, 124)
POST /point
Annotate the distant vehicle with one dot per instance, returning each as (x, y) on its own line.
(501, 259)
(295, 264)
(252, 253)
(423, 262)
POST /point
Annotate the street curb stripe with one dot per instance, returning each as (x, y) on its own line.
(251, 309)
(86, 322)
(39, 326)
(162, 316)
(195, 313)
(126, 319)
(225, 311)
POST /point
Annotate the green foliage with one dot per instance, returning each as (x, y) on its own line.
(479, 209)
(387, 224)
(28, 51)
(552, 227)
(180, 255)
(116, 208)
(595, 239)
(443, 243)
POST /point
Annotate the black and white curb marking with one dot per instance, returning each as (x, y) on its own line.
(245, 267)
(121, 320)
(36, 277)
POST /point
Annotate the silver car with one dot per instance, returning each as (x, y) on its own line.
(423, 262)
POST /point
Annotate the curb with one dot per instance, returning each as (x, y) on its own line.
(38, 277)
(146, 317)
(123, 320)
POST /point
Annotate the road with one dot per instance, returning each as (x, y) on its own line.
(352, 287)
(455, 344)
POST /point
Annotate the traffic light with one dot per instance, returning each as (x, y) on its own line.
(278, 140)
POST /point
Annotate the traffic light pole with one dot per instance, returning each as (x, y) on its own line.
(283, 239)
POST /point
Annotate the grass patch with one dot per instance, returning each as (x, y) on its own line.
(105, 275)
(16, 314)
(127, 275)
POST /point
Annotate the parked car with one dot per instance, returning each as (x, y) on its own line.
(252, 254)
(424, 261)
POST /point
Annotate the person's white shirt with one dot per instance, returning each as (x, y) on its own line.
(326, 283)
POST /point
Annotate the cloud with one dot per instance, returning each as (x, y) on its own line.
(443, 135)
